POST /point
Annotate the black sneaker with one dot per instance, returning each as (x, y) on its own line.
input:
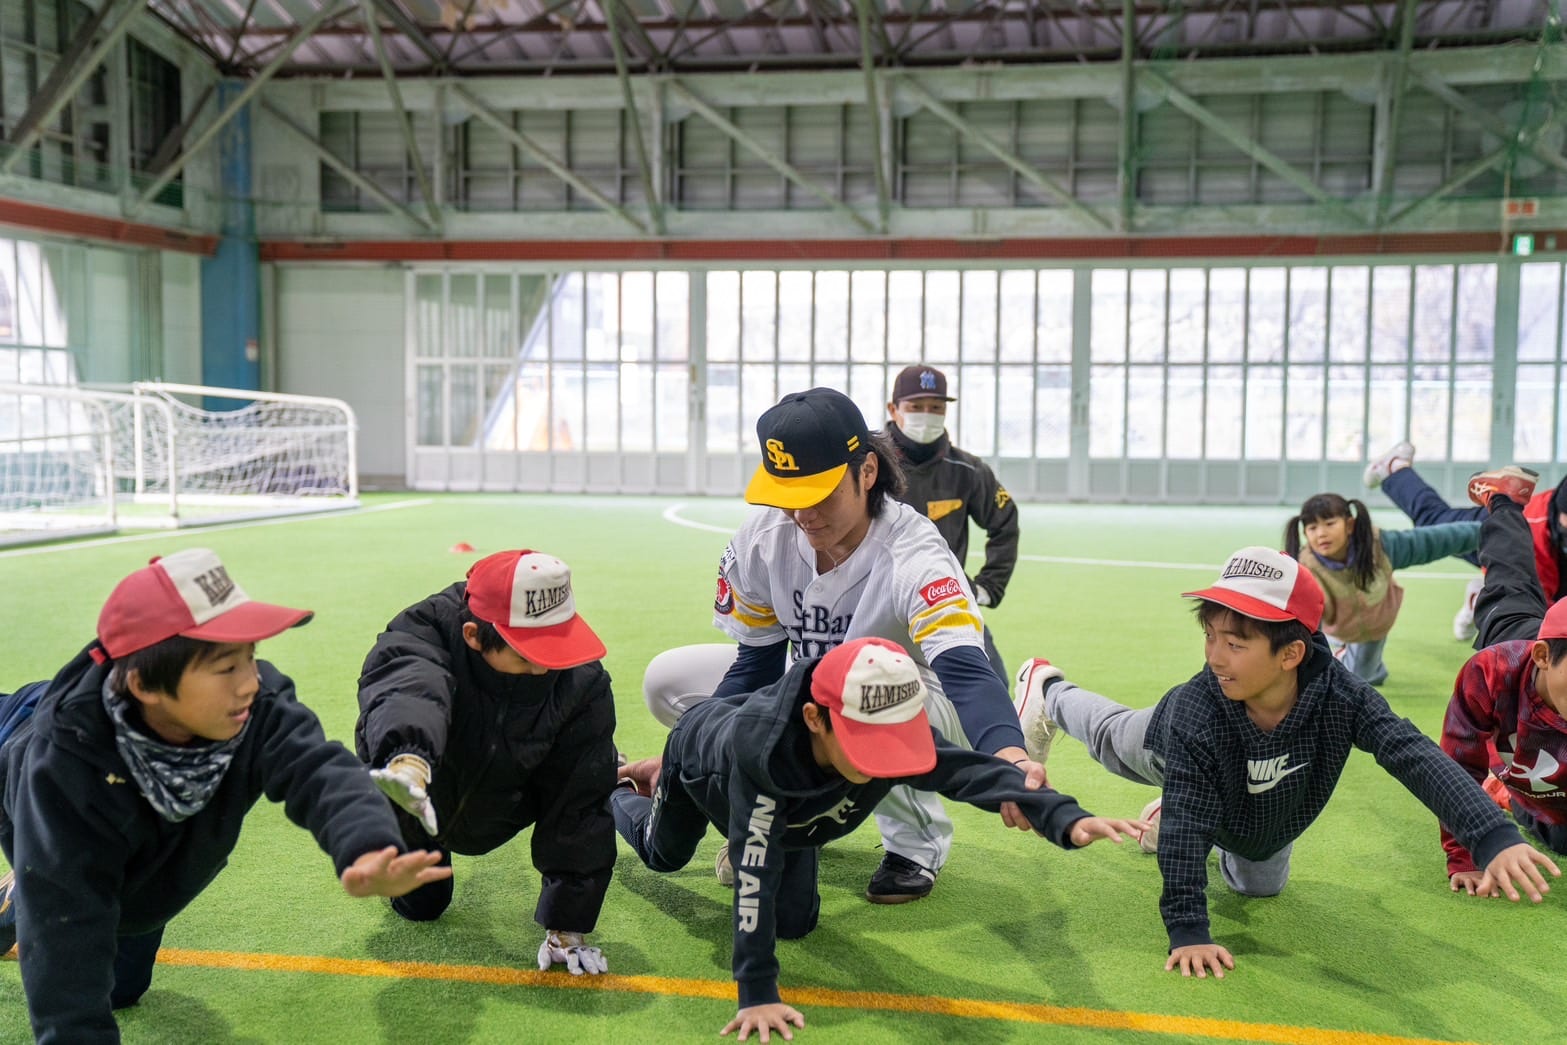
(7, 911)
(899, 880)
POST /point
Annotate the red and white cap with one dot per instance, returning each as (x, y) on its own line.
(527, 596)
(875, 697)
(1267, 585)
(1554, 625)
(188, 593)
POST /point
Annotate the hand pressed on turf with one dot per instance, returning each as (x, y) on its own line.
(1092, 828)
(1519, 863)
(764, 1019)
(382, 872)
(1196, 959)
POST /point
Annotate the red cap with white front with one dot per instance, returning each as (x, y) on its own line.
(875, 698)
(188, 593)
(527, 596)
(1268, 585)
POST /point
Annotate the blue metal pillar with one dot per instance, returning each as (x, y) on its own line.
(231, 279)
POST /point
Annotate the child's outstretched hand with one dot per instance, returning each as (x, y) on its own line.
(1092, 828)
(764, 1019)
(1519, 863)
(381, 872)
(1196, 959)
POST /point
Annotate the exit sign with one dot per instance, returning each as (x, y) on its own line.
(1526, 207)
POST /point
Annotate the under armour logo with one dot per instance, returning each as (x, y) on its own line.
(781, 459)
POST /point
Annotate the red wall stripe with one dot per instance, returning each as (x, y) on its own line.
(77, 225)
(828, 250)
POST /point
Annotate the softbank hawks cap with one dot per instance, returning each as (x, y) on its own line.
(527, 596)
(873, 693)
(189, 593)
(806, 440)
(1268, 585)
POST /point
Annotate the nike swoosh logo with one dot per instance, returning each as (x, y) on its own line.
(1258, 787)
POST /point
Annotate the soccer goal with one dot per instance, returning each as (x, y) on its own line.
(56, 462)
(153, 455)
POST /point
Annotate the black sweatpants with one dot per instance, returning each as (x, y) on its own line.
(1512, 604)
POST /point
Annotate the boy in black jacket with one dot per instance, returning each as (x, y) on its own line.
(1249, 750)
(125, 789)
(484, 709)
(787, 769)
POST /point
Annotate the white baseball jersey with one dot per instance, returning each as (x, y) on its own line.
(902, 584)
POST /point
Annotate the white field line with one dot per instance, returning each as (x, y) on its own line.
(165, 535)
(672, 514)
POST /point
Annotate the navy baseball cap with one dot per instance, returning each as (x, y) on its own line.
(806, 440)
(914, 382)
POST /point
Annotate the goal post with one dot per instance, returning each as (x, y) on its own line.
(78, 459)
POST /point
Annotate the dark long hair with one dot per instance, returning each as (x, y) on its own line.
(1362, 567)
(890, 481)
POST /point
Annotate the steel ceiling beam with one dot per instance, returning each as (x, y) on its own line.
(878, 111)
(766, 155)
(326, 13)
(1027, 171)
(404, 121)
(410, 29)
(170, 146)
(1126, 170)
(75, 66)
(346, 169)
(538, 152)
(1248, 145)
(655, 202)
(1463, 176)
(1487, 119)
(1389, 113)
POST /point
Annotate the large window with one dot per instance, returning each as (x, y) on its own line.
(1205, 383)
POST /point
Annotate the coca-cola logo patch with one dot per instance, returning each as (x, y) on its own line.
(940, 591)
(724, 601)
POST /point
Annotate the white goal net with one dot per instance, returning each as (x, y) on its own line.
(167, 455)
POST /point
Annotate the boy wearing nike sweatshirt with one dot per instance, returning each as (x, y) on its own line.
(786, 769)
(1249, 750)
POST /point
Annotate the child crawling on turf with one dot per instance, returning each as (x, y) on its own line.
(124, 783)
(786, 769)
(1248, 751)
(1506, 723)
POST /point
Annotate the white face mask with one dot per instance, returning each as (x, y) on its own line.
(923, 428)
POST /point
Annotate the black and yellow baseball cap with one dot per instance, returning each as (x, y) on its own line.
(806, 440)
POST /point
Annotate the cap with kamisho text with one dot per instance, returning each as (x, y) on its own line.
(1554, 626)
(806, 440)
(187, 593)
(875, 697)
(914, 382)
(527, 596)
(1267, 585)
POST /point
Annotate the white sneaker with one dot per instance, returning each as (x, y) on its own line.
(1148, 841)
(1464, 629)
(1028, 697)
(722, 867)
(1382, 467)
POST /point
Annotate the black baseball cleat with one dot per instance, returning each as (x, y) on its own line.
(899, 880)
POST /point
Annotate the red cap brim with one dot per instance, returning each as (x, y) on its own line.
(881, 751)
(557, 647)
(1245, 605)
(249, 622)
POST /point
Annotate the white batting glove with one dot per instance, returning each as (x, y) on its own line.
(981, 596)
(573, 950)
(406, 780)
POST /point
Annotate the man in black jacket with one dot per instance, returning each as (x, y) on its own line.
(787, 769)
(951, 486)
(127, 779)
(484, 710)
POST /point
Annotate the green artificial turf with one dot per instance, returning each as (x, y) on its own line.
(1366, 937)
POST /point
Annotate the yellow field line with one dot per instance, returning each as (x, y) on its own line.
(1015, 1012)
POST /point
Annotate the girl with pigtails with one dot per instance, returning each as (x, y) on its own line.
(1354, 561)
